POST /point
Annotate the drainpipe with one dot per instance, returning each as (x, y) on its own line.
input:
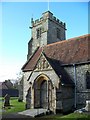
(47, 96)
(75, 85)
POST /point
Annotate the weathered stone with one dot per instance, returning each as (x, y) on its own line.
(57, 96)
(6, 100)
(87, 105)
(82, 94)
(48, 32)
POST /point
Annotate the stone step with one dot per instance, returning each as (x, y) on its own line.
(34, 112)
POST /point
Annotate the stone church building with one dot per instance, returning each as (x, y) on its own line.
(56, 75)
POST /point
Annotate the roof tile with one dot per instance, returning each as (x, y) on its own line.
(30, 64)
(74, 50)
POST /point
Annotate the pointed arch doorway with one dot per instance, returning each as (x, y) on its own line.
(42, 92)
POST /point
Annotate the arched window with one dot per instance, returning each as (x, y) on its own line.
(88, 80)
(38, 33)
(58, 33)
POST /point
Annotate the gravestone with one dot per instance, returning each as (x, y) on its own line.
(87, 105)
(6, 100)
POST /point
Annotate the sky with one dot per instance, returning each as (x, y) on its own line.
(15, 33)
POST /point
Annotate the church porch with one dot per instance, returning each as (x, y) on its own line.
(42, 94)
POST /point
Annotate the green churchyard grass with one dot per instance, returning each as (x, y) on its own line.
(15, 106)
(20, 106)
(77, 115)
(71, 116)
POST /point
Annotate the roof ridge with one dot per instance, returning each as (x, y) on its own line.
(67, 40)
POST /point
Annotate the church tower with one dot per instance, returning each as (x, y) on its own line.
(46, 30)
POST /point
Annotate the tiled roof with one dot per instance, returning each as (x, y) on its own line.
(30, 64)
(74, 50)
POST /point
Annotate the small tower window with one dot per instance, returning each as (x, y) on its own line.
(58, 33)
(38, 33)
(88, 80)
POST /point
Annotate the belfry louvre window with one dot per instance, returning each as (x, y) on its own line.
(38, 33)
(88, 80)
(58, 33)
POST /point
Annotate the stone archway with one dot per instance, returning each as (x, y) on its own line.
(42, 92)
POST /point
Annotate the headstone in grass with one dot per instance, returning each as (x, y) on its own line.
(6, 100)
(87, 105)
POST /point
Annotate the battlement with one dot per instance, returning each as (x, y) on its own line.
(48, 15)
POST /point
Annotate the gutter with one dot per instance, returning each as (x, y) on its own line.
(71, 64)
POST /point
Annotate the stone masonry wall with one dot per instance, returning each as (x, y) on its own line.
(82, 92)
(48, 25)
(53, 77)
(65, 98)
(52, 32)
(26, 85)
(50, 73)
(41, 40)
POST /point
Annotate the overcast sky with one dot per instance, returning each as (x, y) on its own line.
(15, 32)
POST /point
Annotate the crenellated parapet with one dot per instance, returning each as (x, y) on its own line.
(45, 16)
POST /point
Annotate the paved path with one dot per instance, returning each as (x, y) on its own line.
(14, 116)
(25, 115)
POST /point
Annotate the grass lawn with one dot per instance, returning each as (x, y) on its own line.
(15, 106)
(20, 106)
(72, 116)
